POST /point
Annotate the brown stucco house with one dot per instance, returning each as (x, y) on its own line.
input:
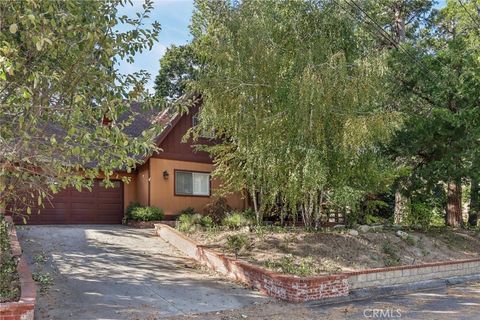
(175, 178)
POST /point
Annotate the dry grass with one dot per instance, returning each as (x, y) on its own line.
(331, 252)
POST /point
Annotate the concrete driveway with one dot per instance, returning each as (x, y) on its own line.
(115, 272)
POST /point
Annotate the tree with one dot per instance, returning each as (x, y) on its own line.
(177, 67)
(440, 138)
(395, 23)
(401, 19)
(58, 84)
(296, 104)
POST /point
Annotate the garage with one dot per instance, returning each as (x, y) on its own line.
(99, 206)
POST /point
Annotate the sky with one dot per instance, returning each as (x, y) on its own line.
(174, 17)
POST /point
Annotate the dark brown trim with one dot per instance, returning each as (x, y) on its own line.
(191, 195)
(149, 182)
(181, 157)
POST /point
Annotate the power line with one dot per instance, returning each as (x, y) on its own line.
(469, 13)
(383, 34)
(396, 44)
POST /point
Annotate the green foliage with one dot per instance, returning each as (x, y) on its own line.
(44, 280)
(40, 258)
(188, 222)
(294, 265)
(410, 240)
(437, 87)
(235, 220)
(177, 68)
(189, 210)
(207, 222)
(237, 243)
(131, 207)
(371, 219)
(9, 280)
(217, 209)
(391, 258)
(297, 100)
(58, 82)
(420, 215)
(147, 214)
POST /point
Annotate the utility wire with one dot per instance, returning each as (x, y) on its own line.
(396, 44)
(469, 13)
(383, 34)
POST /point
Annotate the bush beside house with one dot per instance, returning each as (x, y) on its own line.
(142, 216)
(9, 279)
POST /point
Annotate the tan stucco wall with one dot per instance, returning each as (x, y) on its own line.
(162, 190)
(129, 192)
(142, 185)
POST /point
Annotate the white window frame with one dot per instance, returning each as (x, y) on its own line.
(196, 188)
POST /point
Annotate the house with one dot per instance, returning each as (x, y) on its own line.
(173, 179)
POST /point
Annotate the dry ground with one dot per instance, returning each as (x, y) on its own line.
(340, 251)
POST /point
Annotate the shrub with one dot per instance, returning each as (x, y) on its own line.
(191, 222)
(391, 259)
(188, 222)
(147, 214)
(132, 206)
(420, 215)
(236, 220)
(217, 210)
(291, 265)
(189, 210)
(237, 243)
(207, 222)
(9, 280)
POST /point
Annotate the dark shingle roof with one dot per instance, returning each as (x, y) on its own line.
(145, 118)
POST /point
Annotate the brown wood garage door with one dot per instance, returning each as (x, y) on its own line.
(100, 206)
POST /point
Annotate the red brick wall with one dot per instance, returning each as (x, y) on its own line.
(297, 289)
(281, 286)
(24, 308)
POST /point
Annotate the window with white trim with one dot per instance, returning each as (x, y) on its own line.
(189, 183)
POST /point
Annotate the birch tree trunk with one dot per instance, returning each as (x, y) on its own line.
(402, 207)
(255, 204)
(401, 202)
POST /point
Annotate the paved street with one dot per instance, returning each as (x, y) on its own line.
(457, 302)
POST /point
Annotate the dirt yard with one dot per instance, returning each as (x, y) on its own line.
(316, 253)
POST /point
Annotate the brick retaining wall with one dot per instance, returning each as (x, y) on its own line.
(413, 273)
(281, 286)
(22, 309)
(297, 289)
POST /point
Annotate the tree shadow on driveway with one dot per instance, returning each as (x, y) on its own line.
(115, 272)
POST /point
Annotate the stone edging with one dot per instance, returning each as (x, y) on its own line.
(23, 308)
(297, 289)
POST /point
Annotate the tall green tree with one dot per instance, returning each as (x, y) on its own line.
(440, 138)
(397, 23)
(286, 86)
(177, 67)
(58, 83)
